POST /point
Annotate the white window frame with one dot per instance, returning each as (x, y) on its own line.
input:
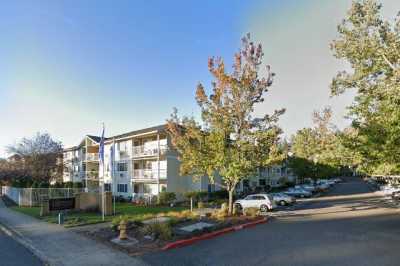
(122, 188)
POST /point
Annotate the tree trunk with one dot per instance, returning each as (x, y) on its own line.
(230, 204)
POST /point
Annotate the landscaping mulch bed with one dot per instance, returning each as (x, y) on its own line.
(145, 245)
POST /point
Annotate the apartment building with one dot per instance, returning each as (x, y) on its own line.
(274, 176)
(142, 164)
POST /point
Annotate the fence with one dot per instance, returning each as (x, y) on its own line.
(33, 196)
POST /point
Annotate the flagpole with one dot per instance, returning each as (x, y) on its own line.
(102, 161)
(112, 175)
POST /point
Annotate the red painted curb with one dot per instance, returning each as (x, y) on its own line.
(186, 242)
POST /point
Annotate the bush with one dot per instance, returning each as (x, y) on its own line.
(196, 195)
(200, 205)
(187, 214)
(220, 194)
(35, 184)
(77, 185)
(251, 211)
(57, 185)
(44, 184)
(161, 231)
(68, 184)
(166, 198)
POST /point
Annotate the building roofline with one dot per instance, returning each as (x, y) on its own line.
(121, 136)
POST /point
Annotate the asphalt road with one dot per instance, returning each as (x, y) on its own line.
(348, 226)
(14, 254)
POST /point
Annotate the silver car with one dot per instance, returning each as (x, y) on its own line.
(283, 199)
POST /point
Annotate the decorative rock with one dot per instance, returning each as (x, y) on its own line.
(196, 226)
(148, 237)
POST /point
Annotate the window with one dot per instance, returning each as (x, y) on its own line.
(246, 183)
(123, 188)
(262, 182)
(136, 188)
(260, 197)
(107, 187)
(122, 167)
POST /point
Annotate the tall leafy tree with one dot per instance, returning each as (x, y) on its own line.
(230, 141)
(39, 156)
(322, 150)
(371, 46)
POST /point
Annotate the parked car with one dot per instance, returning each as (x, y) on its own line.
(331, 182)
(396, 195)
(307, 187)
(283, 199)
(264, 202)
(322, 187)
(295, 192)
(388, 191)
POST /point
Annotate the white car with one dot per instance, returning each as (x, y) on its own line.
(387, 191)
(264, 202)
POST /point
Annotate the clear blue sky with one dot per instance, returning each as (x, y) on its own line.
(67, 66)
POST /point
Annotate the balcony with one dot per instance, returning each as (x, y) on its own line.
(92, 157)
(142, 151)
(92, 174)
(149, 174)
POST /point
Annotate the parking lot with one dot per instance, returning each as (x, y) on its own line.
(349, 225)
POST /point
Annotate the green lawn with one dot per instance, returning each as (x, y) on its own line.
(82, 218)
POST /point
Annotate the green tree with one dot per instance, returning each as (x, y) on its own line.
(230, 142)
(319, 151)
(371, 46)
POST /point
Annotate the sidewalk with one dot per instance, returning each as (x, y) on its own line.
(57, 245)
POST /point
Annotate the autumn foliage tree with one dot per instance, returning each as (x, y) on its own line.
(229, 142)
(40, 157)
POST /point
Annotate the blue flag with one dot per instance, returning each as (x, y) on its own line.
(112, 158)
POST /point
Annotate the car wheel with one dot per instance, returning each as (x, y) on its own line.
(239, 206)
(282, 203)
(264, 208)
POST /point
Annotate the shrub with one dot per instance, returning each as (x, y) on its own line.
(44, 184)
(57, 185)
(196, 195)
(77, 185)
(200, 205)
(161, 231)
(181, 215)
(68, 184)
(251, 211)
(165, 198)
(219, 194)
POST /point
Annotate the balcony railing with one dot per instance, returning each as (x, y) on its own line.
(149, 173)
(139, 151)
(92, 157)
(92, 174)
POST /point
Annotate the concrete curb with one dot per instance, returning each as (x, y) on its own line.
(26, 243)
(190, 241)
